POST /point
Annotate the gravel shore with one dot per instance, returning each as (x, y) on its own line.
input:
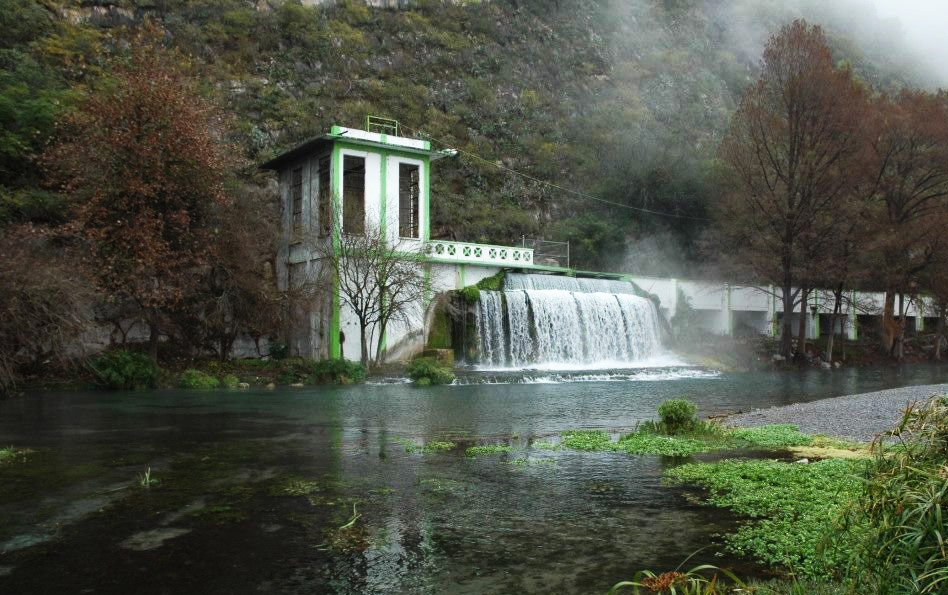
(857, 417)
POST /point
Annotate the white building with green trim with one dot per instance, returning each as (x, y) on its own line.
(351, 180)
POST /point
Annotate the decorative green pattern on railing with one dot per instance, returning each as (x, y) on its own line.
(478, 253)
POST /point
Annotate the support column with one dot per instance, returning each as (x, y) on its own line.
(919, 315)
(726, 311)
(772, 312)
(815, 316)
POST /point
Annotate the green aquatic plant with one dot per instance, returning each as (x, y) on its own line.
(197, 380)
(657, 444)
(773, 436)
(489, 449)
(352, 520)
(545, 445)
(145, 479)
(433, 447)
(792, 508)
(587, 440)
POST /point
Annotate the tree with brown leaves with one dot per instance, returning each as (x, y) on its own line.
(143, 164)
(791, 147)
(907, 165)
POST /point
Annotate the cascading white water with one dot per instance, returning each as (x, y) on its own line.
(546, 319)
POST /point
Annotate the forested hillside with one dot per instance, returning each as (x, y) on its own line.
(625, 101)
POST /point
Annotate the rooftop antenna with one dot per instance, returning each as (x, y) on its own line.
(381, 125)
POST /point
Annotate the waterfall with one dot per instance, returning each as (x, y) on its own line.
(546, 319)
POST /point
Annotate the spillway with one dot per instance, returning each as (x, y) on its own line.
(546, 319)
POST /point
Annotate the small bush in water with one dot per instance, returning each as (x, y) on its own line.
(428, 370)
(678, 415)
(123, 369)
(335, 371)
(230, 381)
(196, 379)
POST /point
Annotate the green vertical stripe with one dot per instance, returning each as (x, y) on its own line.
(335, 183)
(426, 227)
(383, 195)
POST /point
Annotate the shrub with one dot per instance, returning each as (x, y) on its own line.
(278, 350)
(677, 415)
(428, 370)
(123, 369)
(196, 379)
(335, 371)
(229, 381)
(470, 294)
(903, 550)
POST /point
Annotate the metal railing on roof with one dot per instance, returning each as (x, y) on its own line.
(549, 253)
(381, 125)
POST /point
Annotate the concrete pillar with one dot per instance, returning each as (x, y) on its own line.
(919, 315)
(772, 311)
(852, 323)
(814, 311)
(726, 321)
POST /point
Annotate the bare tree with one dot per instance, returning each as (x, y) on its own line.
(45, 303)
(791, 148)
(381, 281)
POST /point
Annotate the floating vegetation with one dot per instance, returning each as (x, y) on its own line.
(432, 447)
(791, 507)
(774, 436)
(409, 444)
(352, 520)
(489, 449)
(546, 446)
(525, 461)
(586, 440)
(295, 486)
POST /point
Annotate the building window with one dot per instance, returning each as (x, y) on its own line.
(325, 199)
(353, 195)
(408, 195)
(296, 198)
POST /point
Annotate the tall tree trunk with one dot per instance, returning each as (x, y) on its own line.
(378, 348)
(153, 335)
(889, 325)
(786, 333)
(940, 329)
(837, 307)
(801, 339)
(365, 346)
(900, 338)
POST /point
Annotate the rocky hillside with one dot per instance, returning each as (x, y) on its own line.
(621, 100)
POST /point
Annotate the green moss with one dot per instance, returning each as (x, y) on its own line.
(439, 336)
(295, 486)
(493, 283)
(432, 447)
(471, 294)
(489, 449)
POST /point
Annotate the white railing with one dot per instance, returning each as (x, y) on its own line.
(444, 250)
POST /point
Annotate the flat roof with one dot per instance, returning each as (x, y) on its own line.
(357, 137)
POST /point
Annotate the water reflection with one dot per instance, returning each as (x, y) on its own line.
(257, 487)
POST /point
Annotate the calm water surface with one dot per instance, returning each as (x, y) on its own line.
(328, 490)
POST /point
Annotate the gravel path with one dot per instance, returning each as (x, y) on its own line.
(857, 417)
